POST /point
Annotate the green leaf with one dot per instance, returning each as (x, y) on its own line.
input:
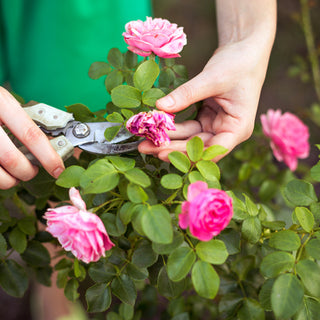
(251, 310)
(205, 279)
(276, 262)
(150, 96)
(180, 161)
(36, 254)
(251, 229)
(231, 239)
(27, 225)
(126, 311)
(131, 59)
(4, 213)
(127, 113)
(305, 218)
(195, 149)
(113, 80)
(252, 208)
(71, 290)
(111, 132)
(99, 177)
(3, 246)
(99, 69)
(145, 75)
(70, 177)
(300, 193)
(265, 294)
(168, 248)
(268, 190)
(313, 248)
(43, 275)
(18, 240)
(144, 256)
(180, 70)
(171, 181)
(208, 169)
(168, 288)
(98, 297)
(63, 264)
(102, 271)
(274, 225)
(213, 251)
(310, 310)
(309, 273)
(125, 96)
(136, 273)
(115, 58)
(121, 163)
(138, 177)
(180, 262)
(115, 117)
(81, 112)
(242, 266)
(213, 151)
(195, 176)
(286, 240)
(13, 278)
(166, 77)
(156, 224)
(286, 296)
(315, 172)
(124, 289)
(136, 194)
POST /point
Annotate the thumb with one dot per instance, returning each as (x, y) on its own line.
(198, 88)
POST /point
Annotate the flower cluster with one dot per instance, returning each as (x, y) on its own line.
(78, 230)
(159, 36)
(152, 125)
(289, 136)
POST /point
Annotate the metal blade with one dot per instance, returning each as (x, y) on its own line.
(93, 132)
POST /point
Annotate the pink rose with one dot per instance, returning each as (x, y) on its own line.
(152, 125)
(207, 211)
(159, 36)
(289, 137)
(78, 230)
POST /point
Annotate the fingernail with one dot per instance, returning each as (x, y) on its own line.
(56, 173)
(166, 102)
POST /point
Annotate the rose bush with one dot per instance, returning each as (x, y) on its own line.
(235, 241)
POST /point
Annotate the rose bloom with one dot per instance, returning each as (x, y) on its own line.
(78, 230)
(289, 136)
(158, 35)
(152, 125)
(207, 211)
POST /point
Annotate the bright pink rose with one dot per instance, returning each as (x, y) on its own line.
(207, 211)
(78, 230)
(152, 125)
(289, 137)
(159, 36)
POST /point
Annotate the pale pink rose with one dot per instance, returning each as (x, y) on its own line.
(158, 35)
(152, 125)
(207, 211)
(78, 230)
(289, 136)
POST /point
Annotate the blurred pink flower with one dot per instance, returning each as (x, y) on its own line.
(158, 35)
(152, 125)
(78, 230)
(289, 136)
(207, 211)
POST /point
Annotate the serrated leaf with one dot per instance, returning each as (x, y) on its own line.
(168, 248)
(252, 208)
(180, 161)
(251, 229)
(113, 80)
(125, 96)
(150, 96)
(115, 58)
(168, 288)
(138, 177)
(208, 169)
(213, 251)
(99, 69)
(136, 193)
(18, 240)
(70, 177)
(309, 273)
(310, 310)
(286, 240)
(171, 181)
(143, 255)
(121, 163)
(127, 113)
(251, 310)
(265, 294)
(115, 117)
(102, 271)
(124, 289)
(111, 132)
(195, 148)
(71, 290)
(300, 193)
(81, 112)
(36, 254)
(145, 75)
(315, 172)
(305, 218)
(313, 248)
(98, 297)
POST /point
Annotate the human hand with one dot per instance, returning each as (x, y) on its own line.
(14, 166)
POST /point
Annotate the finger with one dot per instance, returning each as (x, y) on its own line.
(21, 125)
(6, 180)
(13, 161)
(200, 87)
(185, 129)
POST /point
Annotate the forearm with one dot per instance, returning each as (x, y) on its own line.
(238, 20)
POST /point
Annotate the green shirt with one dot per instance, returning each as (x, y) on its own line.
(47, 46)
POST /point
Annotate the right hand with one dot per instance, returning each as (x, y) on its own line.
(14, 166)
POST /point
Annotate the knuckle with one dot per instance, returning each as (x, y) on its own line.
(32, 135)
(9, 159)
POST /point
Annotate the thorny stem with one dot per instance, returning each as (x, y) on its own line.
(312, 51)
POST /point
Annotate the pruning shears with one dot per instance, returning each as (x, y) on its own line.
(88, 136)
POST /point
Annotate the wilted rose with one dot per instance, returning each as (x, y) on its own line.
(152, 125)
(289, 136)
(78, 230)
(158, 35)
(207, 211)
